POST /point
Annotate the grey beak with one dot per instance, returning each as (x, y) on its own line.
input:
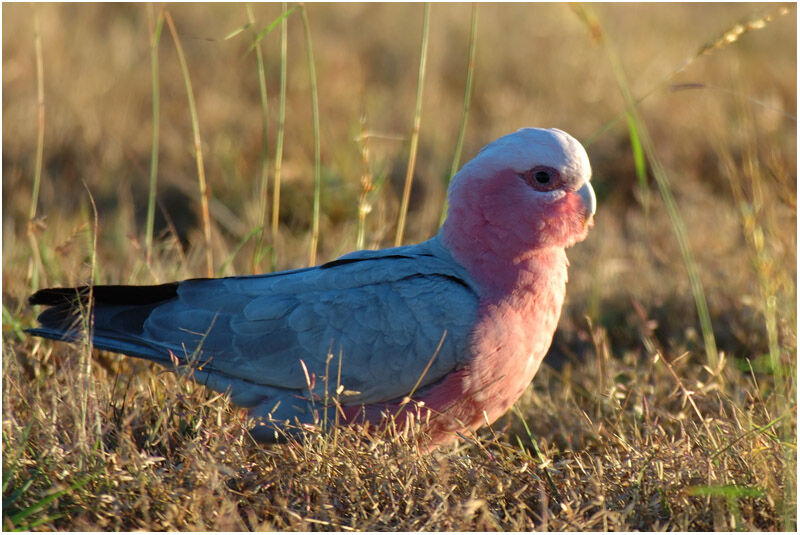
(587, 194)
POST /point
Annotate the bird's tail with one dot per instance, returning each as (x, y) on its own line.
(114, 315)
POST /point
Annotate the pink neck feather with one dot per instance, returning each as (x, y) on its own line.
(503, 244)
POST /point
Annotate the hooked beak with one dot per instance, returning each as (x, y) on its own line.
(586, 193)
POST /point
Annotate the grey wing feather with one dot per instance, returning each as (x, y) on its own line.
(384, 313)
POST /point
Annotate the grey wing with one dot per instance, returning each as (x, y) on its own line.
(383, 315)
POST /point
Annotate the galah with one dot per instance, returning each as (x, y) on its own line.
(448, 332)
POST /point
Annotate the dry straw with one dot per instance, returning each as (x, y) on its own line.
(198, 147)
(412, 151)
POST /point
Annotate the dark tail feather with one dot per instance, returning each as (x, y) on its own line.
(114, 307)
(112, 294)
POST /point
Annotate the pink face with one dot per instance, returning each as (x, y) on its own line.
(526, 191)
(568, 215)
(539, 207)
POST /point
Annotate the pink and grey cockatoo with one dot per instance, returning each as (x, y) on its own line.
(450, 331)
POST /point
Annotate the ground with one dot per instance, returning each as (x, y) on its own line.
(649, 413)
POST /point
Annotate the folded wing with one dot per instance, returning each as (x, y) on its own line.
(381, 314)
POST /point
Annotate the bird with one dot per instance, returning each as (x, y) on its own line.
(447, 333)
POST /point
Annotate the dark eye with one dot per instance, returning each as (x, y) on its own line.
(542, 177)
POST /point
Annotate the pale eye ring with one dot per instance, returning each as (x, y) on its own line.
(542, 178)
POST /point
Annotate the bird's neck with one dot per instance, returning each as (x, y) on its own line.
(503, 265)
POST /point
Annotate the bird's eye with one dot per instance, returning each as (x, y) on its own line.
(542, 178)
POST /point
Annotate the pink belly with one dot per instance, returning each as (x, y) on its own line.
(508, 354)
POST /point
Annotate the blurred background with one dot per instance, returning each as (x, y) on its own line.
(644, 419)
(719, 104)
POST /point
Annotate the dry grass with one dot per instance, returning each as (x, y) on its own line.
(627, 427)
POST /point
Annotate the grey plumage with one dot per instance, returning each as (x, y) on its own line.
(383, 312)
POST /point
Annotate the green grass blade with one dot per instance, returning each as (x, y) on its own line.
(14, 496)
(151, 197)
(660, 175)
(412, 153)
(40, 521)
(639, 161)
(253, 232)
(280, 19)
(240, 29)
(16, 518)
(8, 470)
(312, 255)
(276, 188)
(539, 455)
(37, 173)
(728, 37)
(468, 84)
(13, 322)
(258, 254)
(726, 491)
(198, 146)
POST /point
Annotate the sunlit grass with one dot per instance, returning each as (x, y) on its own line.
(198, 147)
(629, 425)
(37, 174)
(414, 138)
(469, 84)
(312, 75)
(260, 251)
(155, 38)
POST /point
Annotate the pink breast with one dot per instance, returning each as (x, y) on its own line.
(510, 340)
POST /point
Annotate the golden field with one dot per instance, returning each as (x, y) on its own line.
(644, 416)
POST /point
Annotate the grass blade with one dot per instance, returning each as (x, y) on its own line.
(281, 18)
(37, 173)
(468, 84)
(728, 37)
(312, 255)
(14, 496)
(86, 382)
(254, 232)
(10, 464)
(541, 458)
(262, 90)
(239, 30)
(47, 500)
(151, 197)
(367, 186)
(276, 188)
(639, 163)
(660, 175)
(412, 153)
(198, 149)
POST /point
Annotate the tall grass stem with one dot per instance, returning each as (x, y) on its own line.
(312, 254)
(662, 182)
(37, 172)
(754, 208)
(198, 148)
(262, 91)
(155, 37)
(86, 383)
(468, 85)
(412, 153)
(679, 228)
(364, 206)
(276, 187)
(728, 37)
(38, 163)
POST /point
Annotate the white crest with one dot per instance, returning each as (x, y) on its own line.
(528, 147)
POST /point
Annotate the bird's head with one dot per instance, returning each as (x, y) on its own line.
(529, 189)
